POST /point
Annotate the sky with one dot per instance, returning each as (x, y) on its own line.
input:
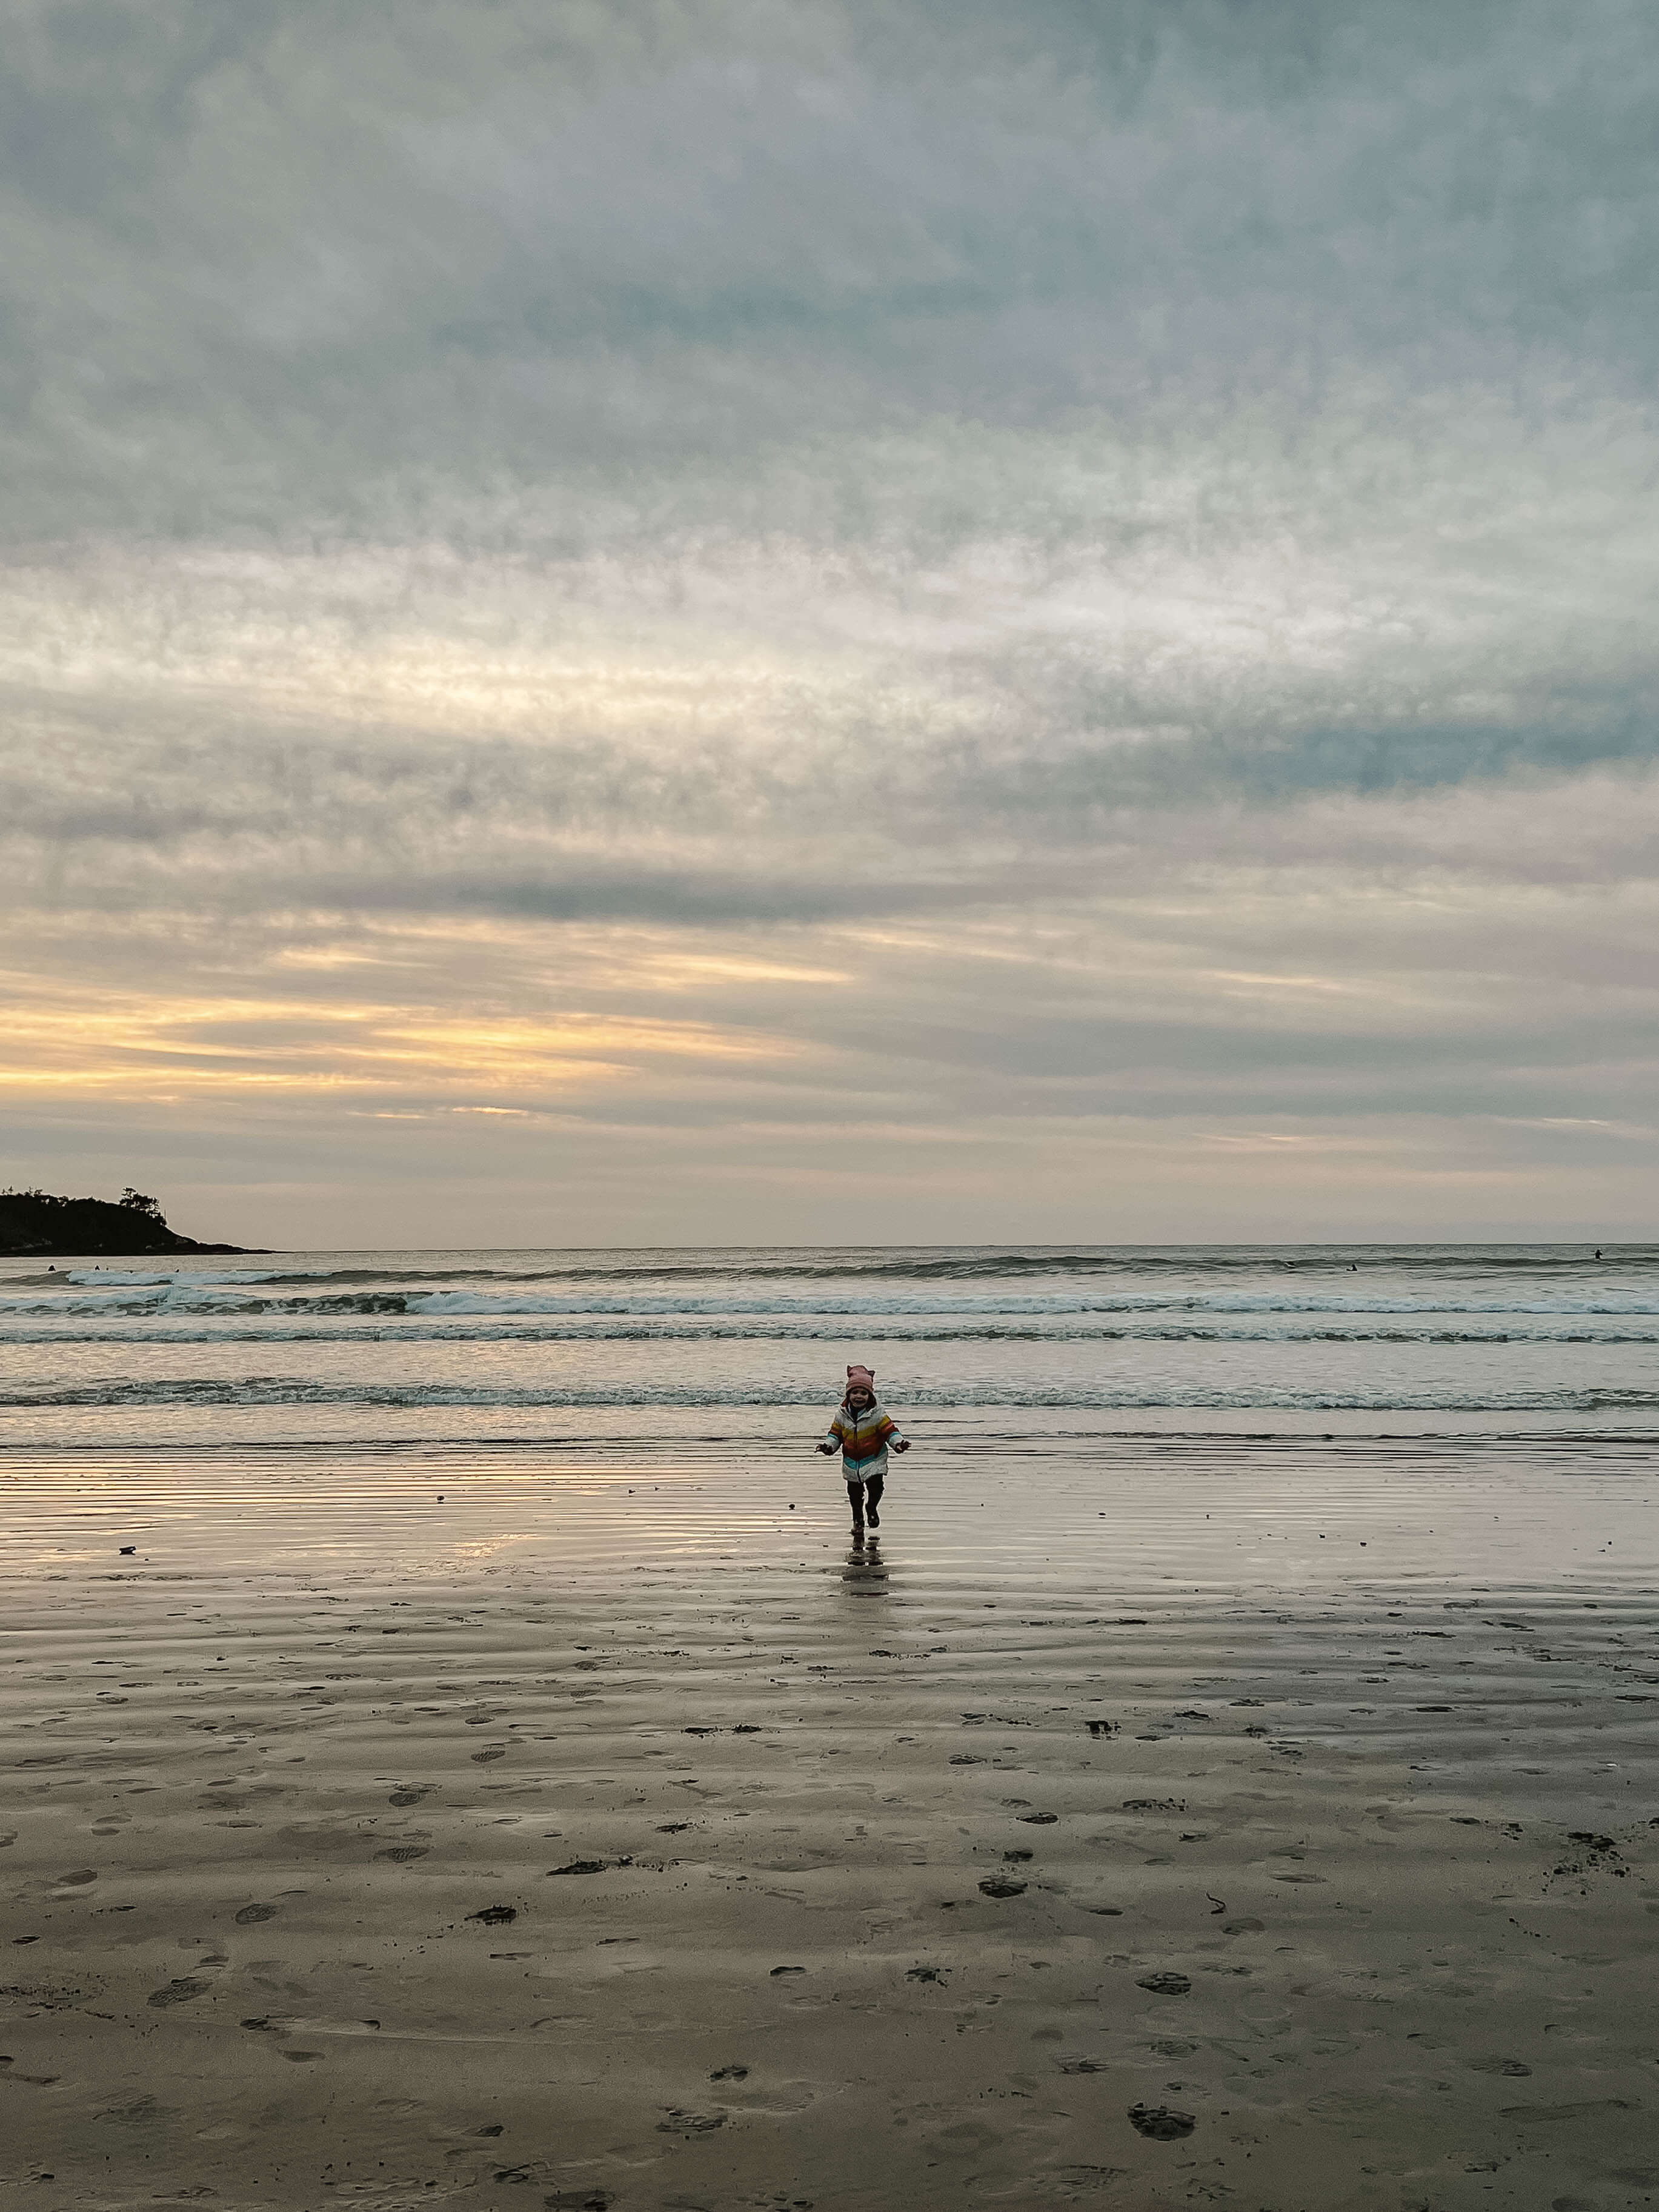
(848, 621)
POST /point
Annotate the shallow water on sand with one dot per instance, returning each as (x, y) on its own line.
(584, 1827)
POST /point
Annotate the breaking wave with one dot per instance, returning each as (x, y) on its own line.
(188, 1297)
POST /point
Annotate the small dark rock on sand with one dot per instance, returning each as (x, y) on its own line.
(578, 1866)
(997, 1886)
(1038, 1819)
(1160, 2123)
(729, 2073)
(1164, 1985)
(495, 1916)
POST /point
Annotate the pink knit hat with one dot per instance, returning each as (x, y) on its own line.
(862, 1378)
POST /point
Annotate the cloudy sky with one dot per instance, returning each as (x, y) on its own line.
(861, 620)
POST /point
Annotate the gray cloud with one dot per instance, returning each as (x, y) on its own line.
(1113, 540)
(265, 260)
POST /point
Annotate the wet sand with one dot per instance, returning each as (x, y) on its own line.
(1266, 1826)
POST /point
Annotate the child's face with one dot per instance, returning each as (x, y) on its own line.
(858, 1398)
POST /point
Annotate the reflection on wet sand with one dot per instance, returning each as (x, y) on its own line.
(865, 1571)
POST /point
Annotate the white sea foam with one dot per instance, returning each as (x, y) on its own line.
(92, 1277)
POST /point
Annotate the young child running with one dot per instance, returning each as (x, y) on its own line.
(862, 1429)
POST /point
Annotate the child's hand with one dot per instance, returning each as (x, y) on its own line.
(900, 1443)
(826, 1450)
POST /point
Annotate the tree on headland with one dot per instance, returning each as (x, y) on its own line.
(139, 1203)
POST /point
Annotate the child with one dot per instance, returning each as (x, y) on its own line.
(862, 1429)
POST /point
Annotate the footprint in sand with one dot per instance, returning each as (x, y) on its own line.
(250, 1915)
(1164, 1985)
(996, 1887)
(178, 1991)
(141, 2110)
(401, 1854)
(1159, 2123)
(408, 1796)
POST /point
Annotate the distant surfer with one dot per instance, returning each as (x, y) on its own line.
(861, 1432)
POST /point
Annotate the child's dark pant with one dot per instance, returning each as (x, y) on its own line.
(871, 1488)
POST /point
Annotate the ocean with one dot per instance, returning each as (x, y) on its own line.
(998, 1346)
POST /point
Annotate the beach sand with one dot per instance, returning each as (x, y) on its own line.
(1265, 1826)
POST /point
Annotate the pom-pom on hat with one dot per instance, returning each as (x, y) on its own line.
(862, 1378)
